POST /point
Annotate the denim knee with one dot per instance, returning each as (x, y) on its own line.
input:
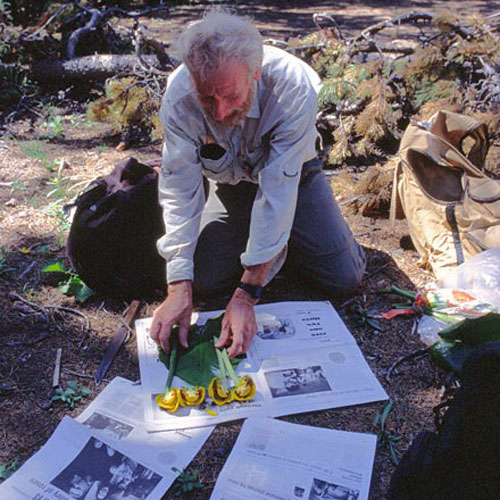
(339, 274)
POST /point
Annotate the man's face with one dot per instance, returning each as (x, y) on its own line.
(226, 93)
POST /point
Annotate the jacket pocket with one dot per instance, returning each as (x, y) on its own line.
(217, 162)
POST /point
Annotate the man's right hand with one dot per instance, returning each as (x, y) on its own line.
(175, 310)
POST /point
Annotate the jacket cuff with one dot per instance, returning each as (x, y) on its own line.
(180, 269)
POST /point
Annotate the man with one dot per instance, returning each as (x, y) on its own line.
(243, 116)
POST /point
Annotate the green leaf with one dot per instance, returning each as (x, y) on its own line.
(450, 354)
(75, 287)
(199, 365)
(394, 456)
(72, 385)
(7, 469)
(54, 267)
(385, 413)
(375, 324)
(474, 331)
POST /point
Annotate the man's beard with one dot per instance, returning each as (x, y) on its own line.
(236, 117)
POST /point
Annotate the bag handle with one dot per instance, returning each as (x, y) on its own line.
(455, 129)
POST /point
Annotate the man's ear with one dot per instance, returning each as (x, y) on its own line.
(256, 75)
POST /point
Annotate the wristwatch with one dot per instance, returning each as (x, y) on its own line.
(254, 291)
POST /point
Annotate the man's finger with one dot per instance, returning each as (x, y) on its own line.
(236, 347)
(247, 341)
(183, 335)
(154, 331)
(165, 336)
(224, 335)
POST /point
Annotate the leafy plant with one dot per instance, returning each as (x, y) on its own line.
(71, 284)
(385, 438)
(186, 482)
(73, 393)
(17, 184)
(7, 470)
(367, 318)
(129, 105)
(30, 293)
(59, 181)
(34, 149)
(54, 125)
(5, 11)
(366, 102)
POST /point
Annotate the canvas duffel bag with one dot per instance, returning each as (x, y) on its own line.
(452, 206)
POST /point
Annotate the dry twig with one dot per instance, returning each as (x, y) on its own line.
(419, 353)
(50, 311)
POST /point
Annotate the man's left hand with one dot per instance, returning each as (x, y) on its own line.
(238, 324)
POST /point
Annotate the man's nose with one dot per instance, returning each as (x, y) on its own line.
(221, 109)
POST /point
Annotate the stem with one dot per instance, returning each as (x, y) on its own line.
(229, 366)
(443, 316)
(404, 293)
(171, 364)
(222, 368)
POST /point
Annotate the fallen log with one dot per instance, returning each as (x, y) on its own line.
(88, 68)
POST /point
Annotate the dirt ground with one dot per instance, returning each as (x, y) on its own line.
(34, 161)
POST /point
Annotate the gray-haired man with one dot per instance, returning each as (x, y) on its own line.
(243, 116)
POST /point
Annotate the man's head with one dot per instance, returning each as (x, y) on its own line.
(223, 53)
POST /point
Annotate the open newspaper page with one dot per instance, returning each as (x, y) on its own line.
(278, 460)
(107, 453)
(302, 359)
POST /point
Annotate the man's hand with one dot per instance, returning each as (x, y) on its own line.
(238, 324)
(176, 309)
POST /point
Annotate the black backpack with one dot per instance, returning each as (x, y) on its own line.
(462, 459)
(112, 239)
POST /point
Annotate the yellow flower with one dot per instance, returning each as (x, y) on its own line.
(170, 403)
(245, 389)
(218, 393)
(192, 397)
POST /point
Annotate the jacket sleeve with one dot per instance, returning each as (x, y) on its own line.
(292, 143)
(181, 193)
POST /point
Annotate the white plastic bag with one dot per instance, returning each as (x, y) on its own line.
(480, 275)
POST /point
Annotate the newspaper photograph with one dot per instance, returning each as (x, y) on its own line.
(106, 453)
(303, 358)
(117, 415)
(283, 461)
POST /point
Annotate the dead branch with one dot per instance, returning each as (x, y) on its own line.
(50, 311)
(34, 35)
(324, 16)
(97, 18)
(389, 23)
(164, 59)
(97, 67)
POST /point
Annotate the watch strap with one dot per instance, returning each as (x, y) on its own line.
(254, 291)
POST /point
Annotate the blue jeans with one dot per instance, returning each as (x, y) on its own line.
(321, 248)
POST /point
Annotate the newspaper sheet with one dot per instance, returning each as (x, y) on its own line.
(106, 453)
(278, 460)
(303, 358)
